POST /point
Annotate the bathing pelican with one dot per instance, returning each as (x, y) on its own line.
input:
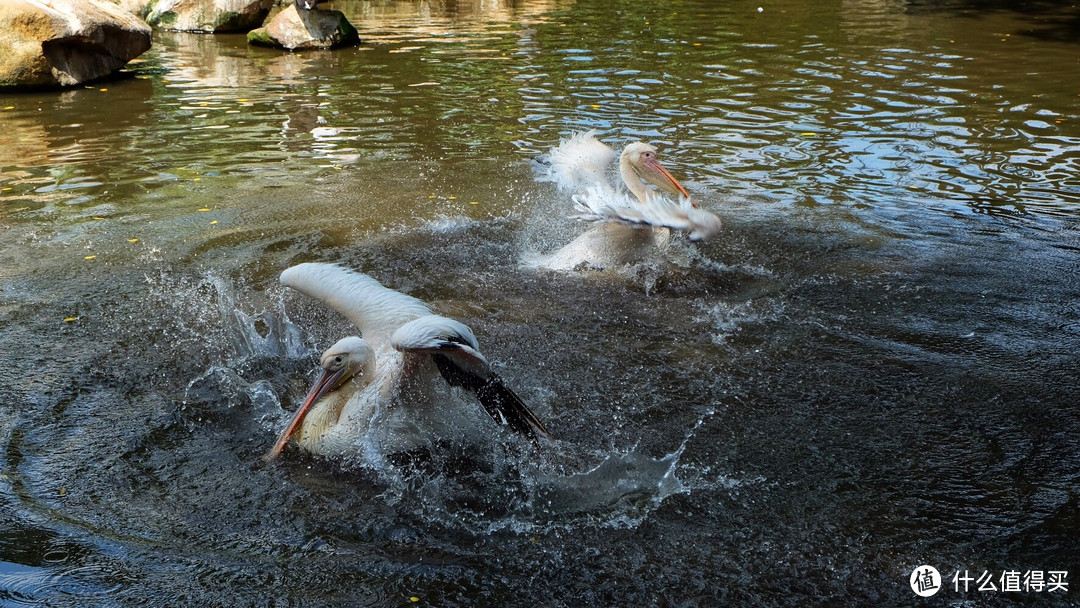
(632, 219)
(381, 389)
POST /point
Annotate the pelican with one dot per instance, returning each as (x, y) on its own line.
(624, 213)
(381, 389)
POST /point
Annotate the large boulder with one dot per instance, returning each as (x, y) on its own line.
(208, 15)
(54, 43)
(301, 29)
(135, 7)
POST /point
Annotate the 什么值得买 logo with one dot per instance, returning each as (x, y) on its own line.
(926, 581)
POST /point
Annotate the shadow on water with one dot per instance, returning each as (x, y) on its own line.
(777, 424)
(1053, 20)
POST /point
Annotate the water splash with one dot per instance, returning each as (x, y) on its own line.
(246, 348)
(562, 489)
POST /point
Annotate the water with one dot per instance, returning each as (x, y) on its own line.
(871, 368)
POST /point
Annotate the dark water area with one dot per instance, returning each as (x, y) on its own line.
(873, 367)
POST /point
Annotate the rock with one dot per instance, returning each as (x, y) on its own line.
(208, 15)
(138, 8)
(296, 30)
(53, 43)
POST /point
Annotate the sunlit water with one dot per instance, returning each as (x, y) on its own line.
(871, 368)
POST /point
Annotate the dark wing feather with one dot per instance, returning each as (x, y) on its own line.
(501, 403)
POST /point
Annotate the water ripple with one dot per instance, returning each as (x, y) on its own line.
(22, 585)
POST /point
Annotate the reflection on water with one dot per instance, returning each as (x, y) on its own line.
(853, 105)
(869, 369)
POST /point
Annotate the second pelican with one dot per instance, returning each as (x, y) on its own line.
(632, 219)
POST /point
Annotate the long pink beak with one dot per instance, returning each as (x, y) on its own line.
(327, 382)
(668, 183)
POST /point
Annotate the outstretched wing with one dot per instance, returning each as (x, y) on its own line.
(456, 354)
(598, 204)
(578, 162)
(376, 310)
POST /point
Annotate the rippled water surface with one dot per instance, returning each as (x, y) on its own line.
(872, 367)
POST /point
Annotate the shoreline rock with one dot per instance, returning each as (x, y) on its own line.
(301, 29)
(66, 42)
(211, 16)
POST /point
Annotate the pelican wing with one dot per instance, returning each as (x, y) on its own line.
(456, 354)
(578, 162)
(376, 310)
(598, 204)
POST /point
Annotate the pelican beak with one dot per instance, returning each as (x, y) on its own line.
(327, 382)
(655, 173)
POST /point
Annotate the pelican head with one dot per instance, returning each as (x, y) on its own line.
(638, 163)
(348, 364)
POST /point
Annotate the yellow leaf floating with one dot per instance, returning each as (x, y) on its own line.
(414, 599)
(63, 490)
(89, 257)
(204, 209)
(213, 222)
(70, 319)
(474, 202)
(133, 240)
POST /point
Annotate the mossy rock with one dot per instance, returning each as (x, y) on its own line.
(299, 29)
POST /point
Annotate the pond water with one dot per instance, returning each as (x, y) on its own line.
(871, 368)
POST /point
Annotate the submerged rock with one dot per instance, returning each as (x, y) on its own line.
(208, 15)
(66, 42)
(294, 30)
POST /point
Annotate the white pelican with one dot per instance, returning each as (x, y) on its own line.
(582, 166)
(380, 390)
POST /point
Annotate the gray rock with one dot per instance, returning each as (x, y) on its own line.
(208, 15)
(65, 42)
(296, 30)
